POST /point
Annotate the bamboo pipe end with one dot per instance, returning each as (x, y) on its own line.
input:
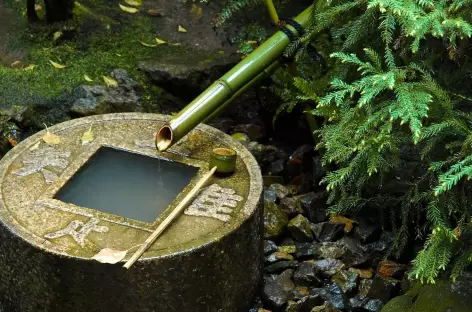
(164, 138)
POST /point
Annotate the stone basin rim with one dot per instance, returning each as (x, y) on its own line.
(252, 201)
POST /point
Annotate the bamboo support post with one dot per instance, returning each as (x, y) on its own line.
(167, 221)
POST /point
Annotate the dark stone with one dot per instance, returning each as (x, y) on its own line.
(254, 132)
(56, 10)
(347, 280)
(306, 304)
(300, 229)
(384, 288)
(336, 296)
(300, 292)
(368, 233)
(364, 286)
(265, 154)
(301, 184)
(270, 194)
(287, 241)
(333, 250)
(124, 80)
(277, 167)
(314, 205)
(280, 266)
(275, 220)
(328, 267)
(357, 302)
(222, 123)
(290, 206)
(368, 255)
(280, 190)
(306, 250)
(317, 170)
(327, 307)
(269, 247)
(278, 256)
(374, 305)
(328, 231)
(306, 275)
(181, 71)
(300, 161)
(277, 289)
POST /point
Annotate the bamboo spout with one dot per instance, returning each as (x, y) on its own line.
(219, 94)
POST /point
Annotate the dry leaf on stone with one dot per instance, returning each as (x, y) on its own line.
(87, 137)
(51, 138)
(87, 78)
(134, 2)
(160, 41)
(110, 82)
(108, 255)
(128, 9)
(57, 65)
(148, 45)
(348, 223)
(181, 29)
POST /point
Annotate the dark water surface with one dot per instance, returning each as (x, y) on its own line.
(127, 184)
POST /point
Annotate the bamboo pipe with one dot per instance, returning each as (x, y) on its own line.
(223, 89)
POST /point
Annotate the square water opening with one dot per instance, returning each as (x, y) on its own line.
(126, 184)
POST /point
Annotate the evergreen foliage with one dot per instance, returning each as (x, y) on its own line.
(397, 131)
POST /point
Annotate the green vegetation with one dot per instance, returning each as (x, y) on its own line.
(397, 131)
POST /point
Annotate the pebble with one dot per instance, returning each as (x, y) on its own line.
(328, 267)
(306, 275)
(300, 229)
(328, 231)
(281, 266)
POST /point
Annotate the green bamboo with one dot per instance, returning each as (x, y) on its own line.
(272, 11)
(224, 88)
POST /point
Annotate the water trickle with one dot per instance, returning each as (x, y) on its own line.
(127, 184)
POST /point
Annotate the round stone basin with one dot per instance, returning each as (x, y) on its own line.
(62, 203)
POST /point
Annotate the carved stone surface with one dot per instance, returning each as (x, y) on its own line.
(208, 260)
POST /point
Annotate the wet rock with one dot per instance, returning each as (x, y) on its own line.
(280, 190)
(333, 250)
(290, 249)
(265, 154)
(306, 304)
(300, 161)
(94, 100)
(368, 255)
(290, 207)
(363, 273)
(300, 229)
(193, 73)
(389, 268)
(124, 80)
(263, 310)
(271, 179)
(223, 124)
(278, 256)
(346, 280)
(384, 288)
(278, 289)
(314, 205)
(328, 231)
(269, 247)
(364, 286)
(307, 250)
(374, 305)
(327, 307)
(254, 132)
(280, 266)
(301, 183)
(291, 306)
(306, 274)
(300, 292)
(287, 241)
(368, 233)
(358, 302)
(328, 267)
(277, 167)
(270, 194)
(317, 170)
(275, 220)
(336, 296)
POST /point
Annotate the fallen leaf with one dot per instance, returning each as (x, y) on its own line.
(128, 9)
(12, 141)
(196, 11)
(30, 67)
(221, 52)
(87, 137)
(112, 256)
(181, 29)
(16, 64)
(160, 41)
(87, 78)
(36, 146)
(51, 138)
(348, 223)
(154, 12)
(57, 35)
(110, 82)
(118, 54)
(57, 65)
(134, 2)
(148, 45)
(176, 44)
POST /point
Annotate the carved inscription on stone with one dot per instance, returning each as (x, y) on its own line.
(214, 202)
(79, 231)
(38, 160)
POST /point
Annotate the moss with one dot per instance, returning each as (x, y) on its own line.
(101, 38)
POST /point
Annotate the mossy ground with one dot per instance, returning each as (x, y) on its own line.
(99, 39)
